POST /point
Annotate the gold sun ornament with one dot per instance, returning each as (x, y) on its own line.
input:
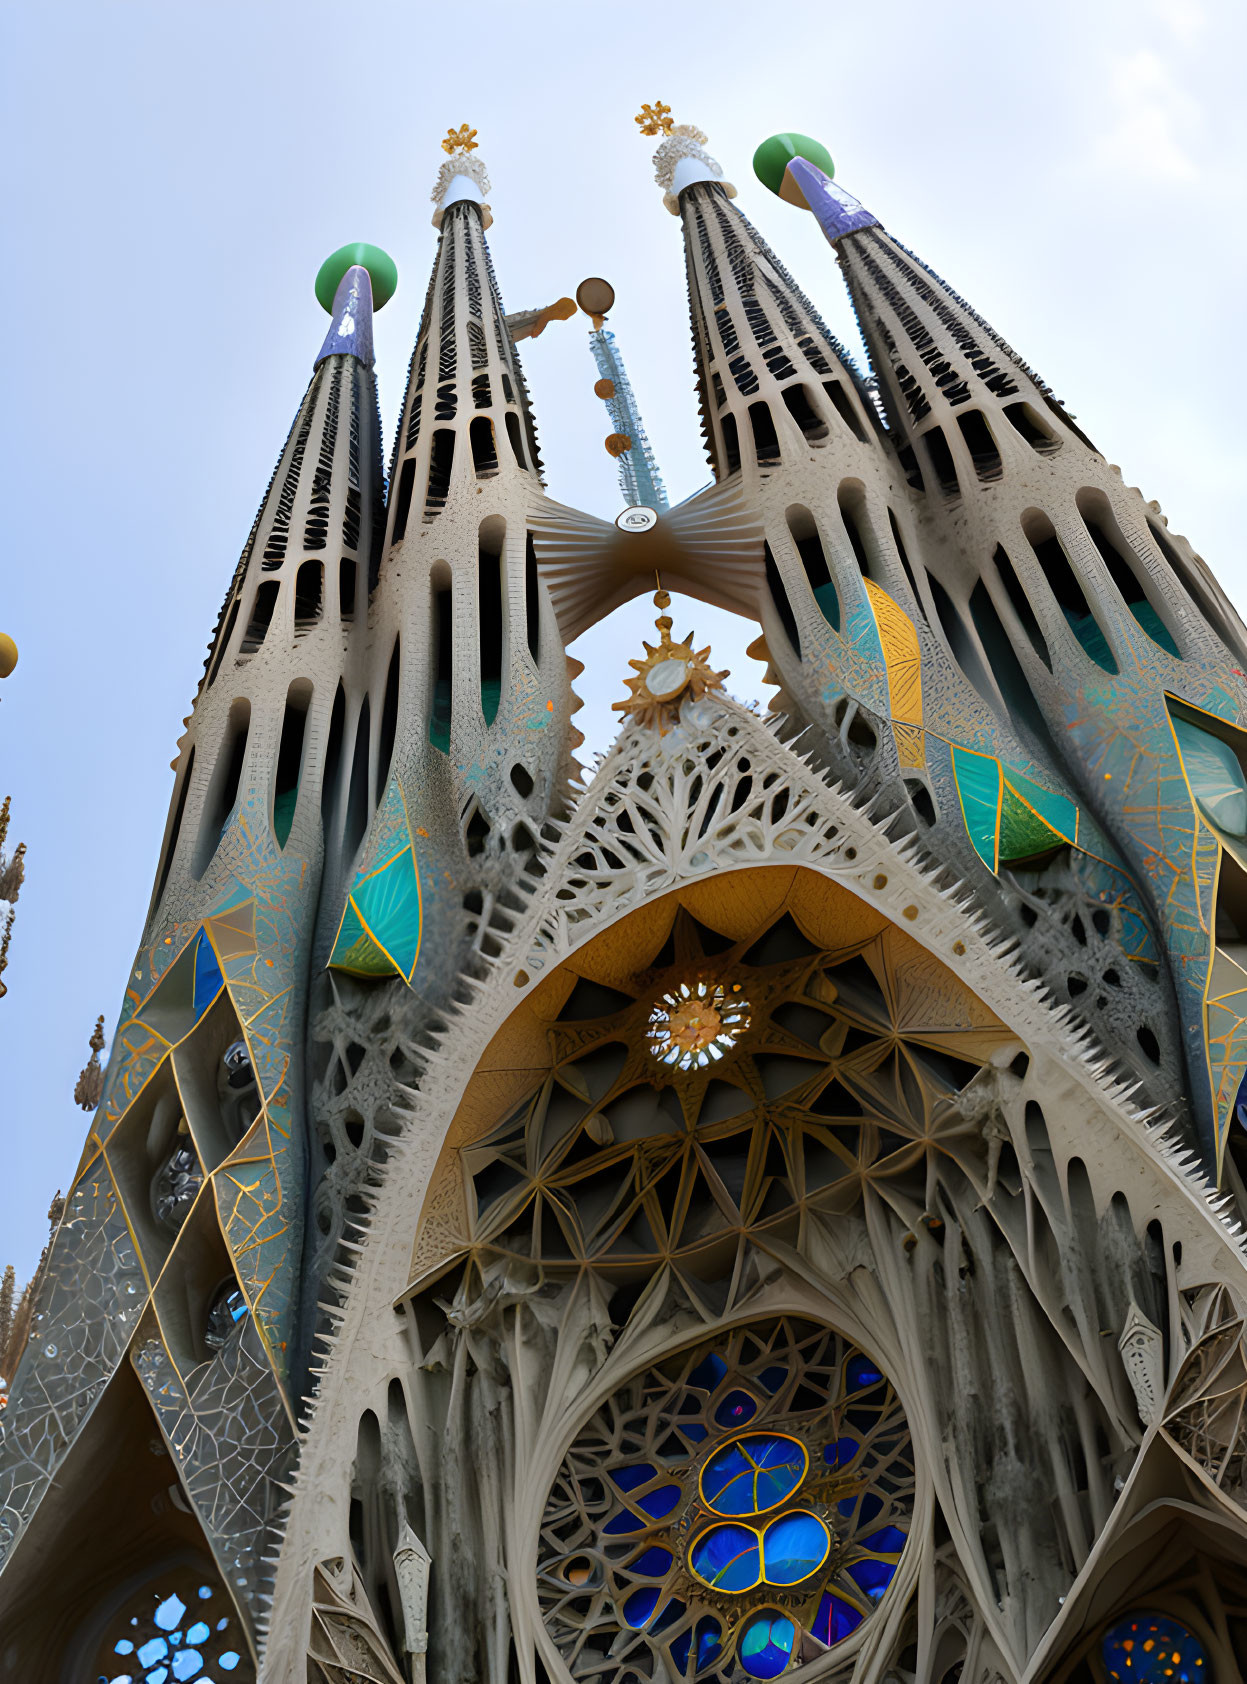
(695, 1023)
(462, 139)
(655, 119)
(669, 672)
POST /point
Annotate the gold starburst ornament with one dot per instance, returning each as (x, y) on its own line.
(655, 119)
(668, 673)
(462, 139)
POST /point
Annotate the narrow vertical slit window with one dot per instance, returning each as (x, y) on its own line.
(290, 759)
(441, 462)
(980, 443)
(389, 719)
(1011, 681)
(347, 573)
(941, 460)
(358, 806)
(809, 546)
(844, 408)
(1199, 590)
(307, 594)
(331, 777)
(261, 617)
(903, 557)
(222, 794)
(443, 659)
(484, 448)
(779, 596)
(1106, 535)
(797, 402)
(175, 829)
(402, 503)
(1021, 604)
(1026, 423)
(960, 641)
(532, 598)
(731, 445)
(852, 505)
(765, 438)
(516, 437)
(909, 467)
(1063, 582)
(490, 542)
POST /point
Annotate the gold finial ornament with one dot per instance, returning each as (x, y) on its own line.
(669, 672)
(8, 654)
(462, 139)
(655, 119)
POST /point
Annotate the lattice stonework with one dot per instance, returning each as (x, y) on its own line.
(734, 1507)
(841, 1049)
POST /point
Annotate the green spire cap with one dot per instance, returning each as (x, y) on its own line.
(774, 155)
(381, 267)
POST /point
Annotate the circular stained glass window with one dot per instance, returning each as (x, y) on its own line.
(695, 1023)
(181, 1630)
(732, 1509)
(1153, 1649)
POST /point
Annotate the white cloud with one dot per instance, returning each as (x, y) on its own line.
(1151, 114)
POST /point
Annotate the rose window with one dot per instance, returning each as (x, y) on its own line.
(734, 1511)
(694, 1024)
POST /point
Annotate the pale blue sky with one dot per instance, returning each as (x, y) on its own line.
(175, 174)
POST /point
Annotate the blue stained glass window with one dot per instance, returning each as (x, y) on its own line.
(753, 1473)
(651, 1563)
(767, 1644)
(693, 1430)
(709, 1641)
(888, 1540)
(771, 1379)
(835, 1619)
(792, 1547)
(727, 1557)
(155, 1649)
(198, 1633)
(709, 1371)
(229, 1660)
(737, 1408)
(640, 1605)
(873, 1577)
(625, 1521)
(627, 1479)
(124, 1647)
(660, 1502)
(157, 1675)
(841, 1453)
(671, 1613)
(187, 1663)
(679, 1650)
(1153, 1649)
(861, 1373)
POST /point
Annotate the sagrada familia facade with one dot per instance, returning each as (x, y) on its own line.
(769, 1205)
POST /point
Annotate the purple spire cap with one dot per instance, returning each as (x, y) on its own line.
(350, 329)
(838, 213)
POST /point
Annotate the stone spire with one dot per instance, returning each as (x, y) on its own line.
(1061, 593)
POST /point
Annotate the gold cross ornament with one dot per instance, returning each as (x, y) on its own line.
(655, 119)
(462, 139)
